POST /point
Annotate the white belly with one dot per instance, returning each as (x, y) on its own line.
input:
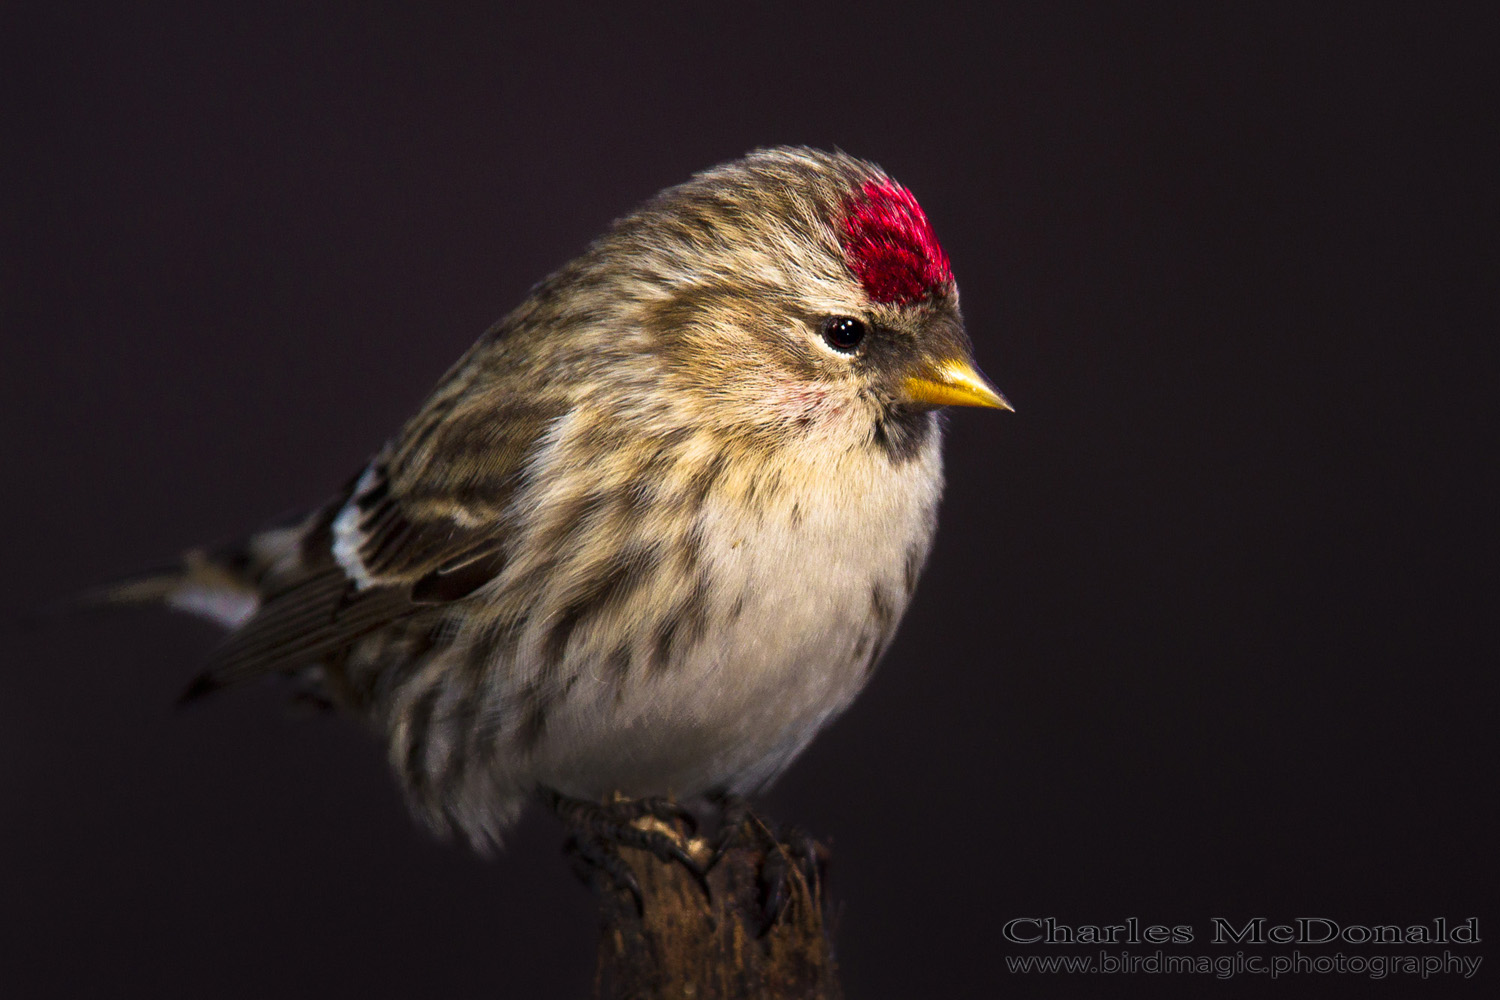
(805, 598)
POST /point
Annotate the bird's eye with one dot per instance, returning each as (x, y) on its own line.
(843, 334)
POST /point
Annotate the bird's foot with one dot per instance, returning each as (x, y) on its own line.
(597, 831)
(789, 857)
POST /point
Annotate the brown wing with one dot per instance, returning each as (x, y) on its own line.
(423, 525)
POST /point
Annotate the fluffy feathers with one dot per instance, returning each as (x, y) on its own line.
(653, 530)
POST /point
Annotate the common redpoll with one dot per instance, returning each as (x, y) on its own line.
(654, 530)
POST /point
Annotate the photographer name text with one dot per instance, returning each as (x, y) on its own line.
(1243, 931)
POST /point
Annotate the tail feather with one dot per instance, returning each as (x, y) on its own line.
(287, 601)
(151, 586)
(200, 584)
(224, 584)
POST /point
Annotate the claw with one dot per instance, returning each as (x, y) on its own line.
(773, 875)
(598, 831)
(667, 850)
(592, 862)
(789, 856)
(668, 812)
(734, 813)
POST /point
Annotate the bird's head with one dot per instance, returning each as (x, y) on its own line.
(797, 290)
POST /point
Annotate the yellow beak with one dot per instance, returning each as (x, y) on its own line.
(954, 383)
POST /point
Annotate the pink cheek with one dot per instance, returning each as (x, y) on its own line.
(803, 402)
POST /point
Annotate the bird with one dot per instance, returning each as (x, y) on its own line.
(653, 531)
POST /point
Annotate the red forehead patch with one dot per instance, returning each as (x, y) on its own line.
(890, 245)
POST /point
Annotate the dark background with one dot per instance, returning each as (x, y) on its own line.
(1210, 626)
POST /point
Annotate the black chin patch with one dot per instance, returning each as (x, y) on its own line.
(900, 433)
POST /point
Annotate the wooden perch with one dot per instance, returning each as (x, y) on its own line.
(683, 945)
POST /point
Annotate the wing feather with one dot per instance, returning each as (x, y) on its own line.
(422, 526)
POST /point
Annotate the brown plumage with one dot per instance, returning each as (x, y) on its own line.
(655, 528)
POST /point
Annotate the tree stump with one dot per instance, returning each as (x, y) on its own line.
(682, 944)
